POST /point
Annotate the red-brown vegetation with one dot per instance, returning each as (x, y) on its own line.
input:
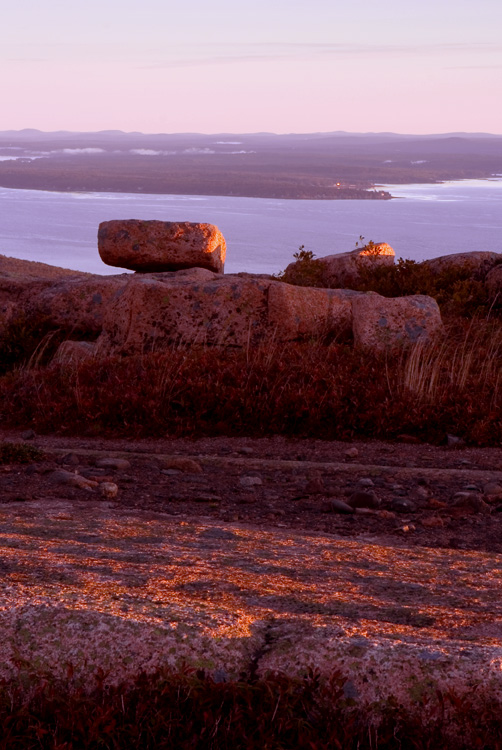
(303, 390)
(189, 709)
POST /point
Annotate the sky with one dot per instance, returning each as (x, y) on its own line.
(236, 66)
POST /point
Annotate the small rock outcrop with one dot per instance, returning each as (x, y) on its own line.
(75, 352)
(494, 280)
(153, 246)
(477, 261)
(382, 323)
(343, 269)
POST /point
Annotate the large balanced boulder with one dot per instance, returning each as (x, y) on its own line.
(382, 323)
(342, 269)
(150, 313)
(153, 246)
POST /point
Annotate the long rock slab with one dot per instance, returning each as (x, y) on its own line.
(130, 590)
(149, 313)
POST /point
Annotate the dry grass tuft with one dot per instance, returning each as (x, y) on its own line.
(300, 390)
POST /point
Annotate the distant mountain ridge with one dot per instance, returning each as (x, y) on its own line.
(30, 132)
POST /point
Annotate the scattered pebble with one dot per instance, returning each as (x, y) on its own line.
(402, 505)
(108, 490)
(121, 464)
(351, 453)
(365, 482)
(71, 459)
(493, 490)
(215, 533)
(432, 522)
(315, 487)
(452, 441)
(250, 481)
(183, 464)
(338, 506)
(363, 499)
(422, 493)
(386, 514)
(436, 504)
(72, 480)
(472, 501)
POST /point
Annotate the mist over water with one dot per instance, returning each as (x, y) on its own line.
(262, 234)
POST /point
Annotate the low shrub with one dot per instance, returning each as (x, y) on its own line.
(31, 338)
(458, 291)
(307, 271)
(299, 390)
(188, 710)
(19, 453)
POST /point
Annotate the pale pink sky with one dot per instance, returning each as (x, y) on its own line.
(160, 66)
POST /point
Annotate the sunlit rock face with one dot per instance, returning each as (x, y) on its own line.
(343, 269)
(161, 245)
(382, 323)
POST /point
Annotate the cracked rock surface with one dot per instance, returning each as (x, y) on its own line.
(185, 562)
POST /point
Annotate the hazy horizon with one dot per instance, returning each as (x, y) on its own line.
(252, 67)
(361, 133)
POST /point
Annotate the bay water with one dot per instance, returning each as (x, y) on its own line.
(422, 221)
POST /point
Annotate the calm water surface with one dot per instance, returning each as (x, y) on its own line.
(262, 234)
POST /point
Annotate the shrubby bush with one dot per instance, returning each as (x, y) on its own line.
(307, 271)
(458, 291)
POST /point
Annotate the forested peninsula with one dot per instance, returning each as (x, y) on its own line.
(319, 166)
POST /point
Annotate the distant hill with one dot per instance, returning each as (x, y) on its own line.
(334, 165)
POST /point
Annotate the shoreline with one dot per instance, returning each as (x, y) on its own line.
(343, 194)
(379, 191)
